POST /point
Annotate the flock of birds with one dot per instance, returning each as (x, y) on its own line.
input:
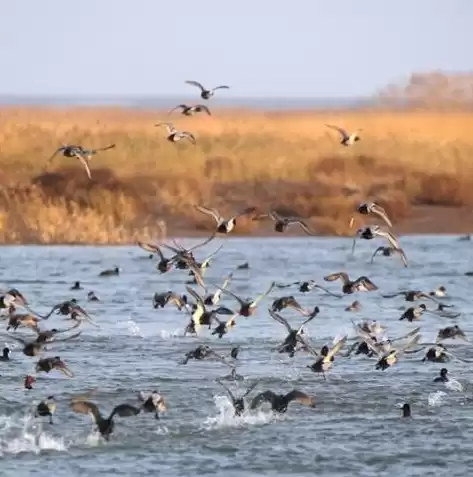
(204, 310)
(173, 135)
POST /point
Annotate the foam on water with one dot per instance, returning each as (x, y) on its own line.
(226, 416)
(454, 385)
(437, 398)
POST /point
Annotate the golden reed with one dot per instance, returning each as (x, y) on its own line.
(286, 160)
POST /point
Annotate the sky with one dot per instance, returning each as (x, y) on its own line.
(260, 48)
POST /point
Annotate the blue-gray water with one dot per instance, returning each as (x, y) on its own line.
(355, 429)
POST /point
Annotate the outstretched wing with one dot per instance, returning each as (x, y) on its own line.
(266, 293)
(212, 212)
(179, 106)
(221, 87)
(335, 276)
(85, 164)
(232, 397)
(380, 212)
(87, 407)
(342, 131)
(125, 410)
(280, 319)
(196, 83)
(336, 348)
(266, 396)
(300, 397)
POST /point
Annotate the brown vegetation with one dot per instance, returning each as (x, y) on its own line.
(287, 161)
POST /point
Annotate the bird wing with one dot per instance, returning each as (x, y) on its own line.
(66, 339)
(336, 348)
(293, 303)
(61, 366)
(302, 224)
(221, 87)
(179, 106)
(306, 345)
(266, 293)
(328, 291)
(335, 276)
(219, 357)
(206, 262)
(218, 293)
(300, 397)
(85, 164)
(87, 407)
(249, 389)
(196, 83)
(247, 211)
(196, 271)
(188, 135)
(342, 131)
(232, 397)
(17, 338)
(105, 148)
(124, 410)
(379, 249)
(387, 234)
(205, 242)
(54, 155)
(197, 297)
(205, 108)
(407, 335)
(380, 212)
(268, 396)
(230, 293)
(280, 319)
(367, 282)
(213, 212)
(410, 344)
(368, 340)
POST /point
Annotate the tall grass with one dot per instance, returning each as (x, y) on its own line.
(284, 160)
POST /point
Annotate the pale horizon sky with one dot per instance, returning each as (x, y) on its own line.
(260, 48)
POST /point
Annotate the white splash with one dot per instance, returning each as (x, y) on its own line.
(22, 434)
(166, 334)
(454, 385)
(93, 439)
(133, 328)
(227, 418)
(437, 398)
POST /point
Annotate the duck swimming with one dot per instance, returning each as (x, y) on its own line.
(206, 93)
(281, 224)
(104, 425)
(191, 110)
(451, 332)
(91, 296)
(238, 403)
(46, 408)
(355, 306)
(440, 292)
(224, 226)
(361, 284)
(442, 378)
(5, 354)
(406, 410)
(345, 138)
(154, 402)
(76, 286)
(175, 136)
(110, 273)
(83, 155)
(280, 402)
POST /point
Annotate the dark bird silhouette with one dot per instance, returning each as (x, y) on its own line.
(280, 402)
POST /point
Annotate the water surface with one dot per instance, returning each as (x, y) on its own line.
(355, 430)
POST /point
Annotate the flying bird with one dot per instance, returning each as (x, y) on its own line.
(206, 93)
(281, 224)
(280, 402)
(224, 226)
(368, 208)
(174, 135)
(83, 155)
(346, 139)
(191, 110)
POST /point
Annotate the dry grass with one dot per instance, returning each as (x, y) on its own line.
(289, 161)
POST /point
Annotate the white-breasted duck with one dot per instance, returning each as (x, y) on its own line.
(224, 226)
(280, 402)
(325, 361)
(369, 233)
(440, 292)
(206, 93)
(46, 408)
(346, 139)
(414, 313)
(153, 402)
(174, 135)
(191, 110)
(367, 208)
(361, 284)
(80, 153)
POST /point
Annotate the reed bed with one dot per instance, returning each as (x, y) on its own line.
(285, 160)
